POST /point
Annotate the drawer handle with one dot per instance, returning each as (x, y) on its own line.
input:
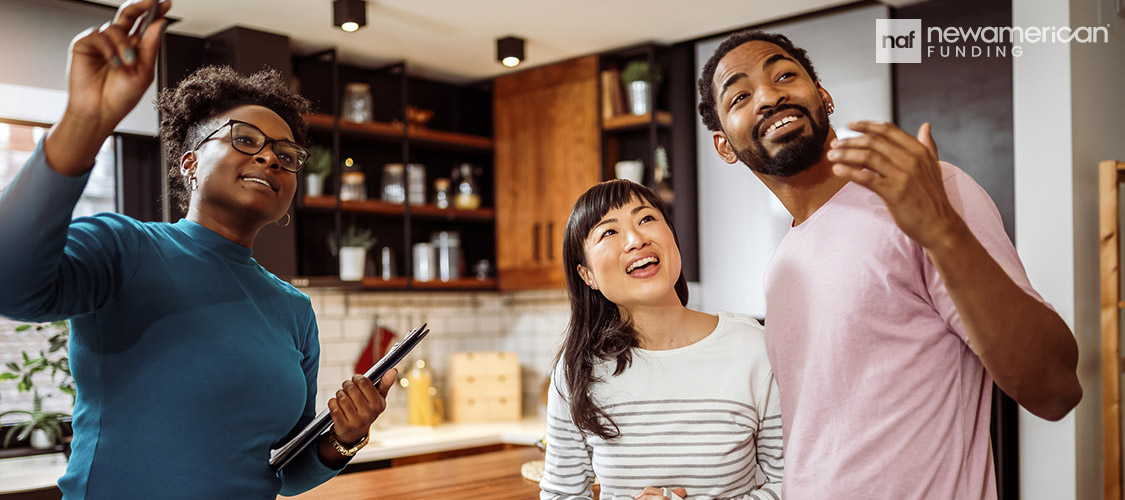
(535, 241)
(550, 240)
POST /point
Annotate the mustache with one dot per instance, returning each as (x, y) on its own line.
(780, 108)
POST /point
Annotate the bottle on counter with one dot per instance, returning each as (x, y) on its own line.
(420, 395)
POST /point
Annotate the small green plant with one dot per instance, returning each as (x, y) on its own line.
(638, 71)
(356, 237)
(55, 360)
(320, 161)
(50, 422)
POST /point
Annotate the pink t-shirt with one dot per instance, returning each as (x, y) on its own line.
(882, 395)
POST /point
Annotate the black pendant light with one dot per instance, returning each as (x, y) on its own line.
(349, 15)
(509, 51)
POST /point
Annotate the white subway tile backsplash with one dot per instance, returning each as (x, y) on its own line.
(527, 323)
(330, 328)
(359, 328)
(333, 304)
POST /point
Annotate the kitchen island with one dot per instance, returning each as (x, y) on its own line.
(495, 476)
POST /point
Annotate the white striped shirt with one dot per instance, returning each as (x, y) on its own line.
(704, 417)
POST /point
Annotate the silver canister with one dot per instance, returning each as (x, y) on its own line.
(387, 263)
(447, 252)
(423, 262)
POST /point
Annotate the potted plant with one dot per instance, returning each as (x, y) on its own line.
(44, 429)
(637, 77)
(317, 168)
(354, 244)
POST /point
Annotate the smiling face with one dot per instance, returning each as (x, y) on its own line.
(235, 187)
(632, 257)
(774, 116)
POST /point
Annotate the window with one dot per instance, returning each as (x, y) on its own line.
(18, 141)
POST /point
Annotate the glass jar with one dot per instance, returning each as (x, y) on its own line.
(416, 183)
(394, 189)
(353, 186)
(357, 102)
(441, 193)
(466, 196)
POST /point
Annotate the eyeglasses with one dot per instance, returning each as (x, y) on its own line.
(248, 139)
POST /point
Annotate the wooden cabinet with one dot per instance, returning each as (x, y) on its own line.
(547, 153)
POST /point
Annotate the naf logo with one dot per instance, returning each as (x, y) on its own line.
(898, 40)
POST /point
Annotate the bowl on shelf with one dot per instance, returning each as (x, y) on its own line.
(418, 116)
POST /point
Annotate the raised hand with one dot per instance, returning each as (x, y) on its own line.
(108, 72)
(904, 172)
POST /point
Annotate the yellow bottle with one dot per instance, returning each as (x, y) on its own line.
(420, 395)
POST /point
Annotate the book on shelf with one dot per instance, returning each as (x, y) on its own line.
(613, 98)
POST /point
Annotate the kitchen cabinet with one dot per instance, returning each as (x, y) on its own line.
(547, 153)
(458, 132)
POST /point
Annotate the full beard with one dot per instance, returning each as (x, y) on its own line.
(795, 156)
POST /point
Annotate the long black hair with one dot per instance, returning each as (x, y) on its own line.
(596, 332)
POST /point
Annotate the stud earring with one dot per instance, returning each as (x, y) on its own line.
(831, 108)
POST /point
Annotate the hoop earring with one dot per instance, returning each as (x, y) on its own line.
(193, 183)
(288, 219)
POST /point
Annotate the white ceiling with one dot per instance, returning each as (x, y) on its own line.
(454, 40)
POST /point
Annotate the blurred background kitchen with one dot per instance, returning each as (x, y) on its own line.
(451, 138)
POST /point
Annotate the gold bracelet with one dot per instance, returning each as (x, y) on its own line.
(349, 452)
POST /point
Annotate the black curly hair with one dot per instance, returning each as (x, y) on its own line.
(186, 110)
(707, 109)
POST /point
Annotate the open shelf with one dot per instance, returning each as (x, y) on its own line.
(631, 122)
(458, 284)
(393, 132)
(377, 283)
(398, 283)
(428, 211)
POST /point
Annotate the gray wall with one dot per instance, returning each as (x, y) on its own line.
(968, 101)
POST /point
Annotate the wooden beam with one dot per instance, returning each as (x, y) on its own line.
(1109, 181)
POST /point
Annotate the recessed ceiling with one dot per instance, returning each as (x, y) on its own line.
(454, 40)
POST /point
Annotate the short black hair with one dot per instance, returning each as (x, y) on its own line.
(707, 109)
(213, 90)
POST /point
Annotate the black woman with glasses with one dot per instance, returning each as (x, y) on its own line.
(191, 361)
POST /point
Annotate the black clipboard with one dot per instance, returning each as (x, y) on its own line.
(322, 424)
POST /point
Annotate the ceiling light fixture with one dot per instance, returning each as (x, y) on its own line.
(349, 15)
(509, 51)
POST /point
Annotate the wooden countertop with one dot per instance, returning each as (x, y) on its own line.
(495, 476)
